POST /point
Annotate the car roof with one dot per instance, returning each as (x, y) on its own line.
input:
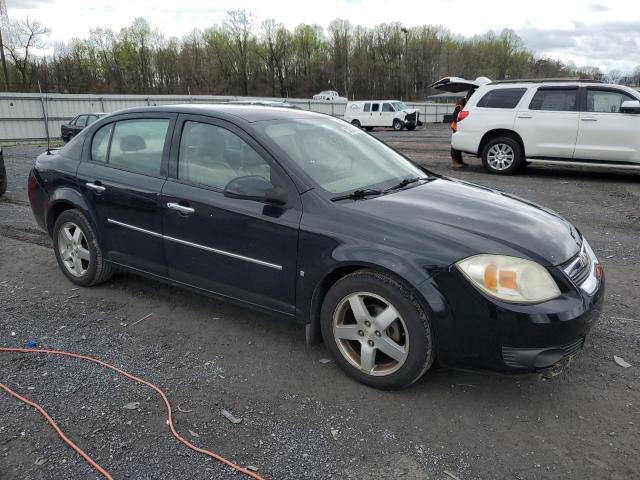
(248, 113)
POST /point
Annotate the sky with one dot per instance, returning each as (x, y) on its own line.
(602, 33)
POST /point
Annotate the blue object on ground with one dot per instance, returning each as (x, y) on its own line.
(32, 344)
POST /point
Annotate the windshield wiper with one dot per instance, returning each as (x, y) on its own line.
(404, 182)
(356, 194)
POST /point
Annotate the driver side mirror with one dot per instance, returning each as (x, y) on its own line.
(630, 106)
(256, 188)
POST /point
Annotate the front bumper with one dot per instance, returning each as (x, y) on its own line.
(412, 119)
(481, 332)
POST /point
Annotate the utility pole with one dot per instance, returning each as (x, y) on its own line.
(4, 23)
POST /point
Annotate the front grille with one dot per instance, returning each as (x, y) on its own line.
(581, 274)
(579, 268)
(412, 117)
(513, 357)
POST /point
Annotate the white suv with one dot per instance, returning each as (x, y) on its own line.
(512, 122)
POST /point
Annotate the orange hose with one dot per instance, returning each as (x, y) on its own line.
(175, 433)
(42, 411)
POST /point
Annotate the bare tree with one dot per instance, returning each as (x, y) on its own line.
(23, 36)
(239, 24)
(614, 76)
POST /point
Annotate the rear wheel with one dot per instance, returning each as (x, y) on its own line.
(502, 156)
(397, 125)
(377, 330)
(77, 250)
(356, 123)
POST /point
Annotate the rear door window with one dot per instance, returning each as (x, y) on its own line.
(137, 145)
(367, 107)
(605, 101)
(375, 107)
(555, 100)
(501, 98)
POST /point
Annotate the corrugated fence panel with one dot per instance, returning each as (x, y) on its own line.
(22, 114)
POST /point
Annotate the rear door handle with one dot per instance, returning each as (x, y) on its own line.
(524, 115)
(180, 208)
(589, 119)
(96, 187)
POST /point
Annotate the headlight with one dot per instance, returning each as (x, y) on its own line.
(510, 279)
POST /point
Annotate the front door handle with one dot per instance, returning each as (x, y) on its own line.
(589, 119)
(524, 115)
(96, 187)
(180, 208)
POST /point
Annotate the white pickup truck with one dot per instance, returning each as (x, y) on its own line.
(329, 96)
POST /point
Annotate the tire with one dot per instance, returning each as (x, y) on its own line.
(3, 176)
(502, 156)
(368, 129)
(356, 123)
(411, 127)
(408, 335)
(85, 264)
(397, 125)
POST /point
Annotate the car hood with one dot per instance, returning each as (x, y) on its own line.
(449, 220)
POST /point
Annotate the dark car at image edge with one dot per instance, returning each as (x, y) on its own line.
(304, 216)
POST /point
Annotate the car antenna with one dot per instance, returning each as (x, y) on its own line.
(45, 112)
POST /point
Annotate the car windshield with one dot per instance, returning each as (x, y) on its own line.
(338, 156)
(399, 106)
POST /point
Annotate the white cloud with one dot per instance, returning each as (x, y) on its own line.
(568, 30)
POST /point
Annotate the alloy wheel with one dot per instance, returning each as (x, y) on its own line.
(500, 156)
(73, 249)
(370, 333)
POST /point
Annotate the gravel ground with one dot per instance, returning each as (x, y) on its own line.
(301, 417)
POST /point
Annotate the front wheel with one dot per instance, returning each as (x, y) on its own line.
(397, 125)
(77, 250)
(502, 156)
(377, 330)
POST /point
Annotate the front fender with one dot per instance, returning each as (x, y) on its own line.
(376, 258)
(347, 258)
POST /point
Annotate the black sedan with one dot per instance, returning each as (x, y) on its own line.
(77, 124)
(305, 216)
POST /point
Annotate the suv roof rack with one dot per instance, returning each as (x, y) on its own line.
(546, 80)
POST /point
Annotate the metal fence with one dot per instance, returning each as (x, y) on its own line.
(22, 115)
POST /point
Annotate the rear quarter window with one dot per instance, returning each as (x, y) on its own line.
(501, 98)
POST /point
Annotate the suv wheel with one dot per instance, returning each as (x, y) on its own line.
(377, 330)
(502, 155)
(77, 250)
(397, 125)
(356, 123)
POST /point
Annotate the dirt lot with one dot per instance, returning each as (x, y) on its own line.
(302, 418)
